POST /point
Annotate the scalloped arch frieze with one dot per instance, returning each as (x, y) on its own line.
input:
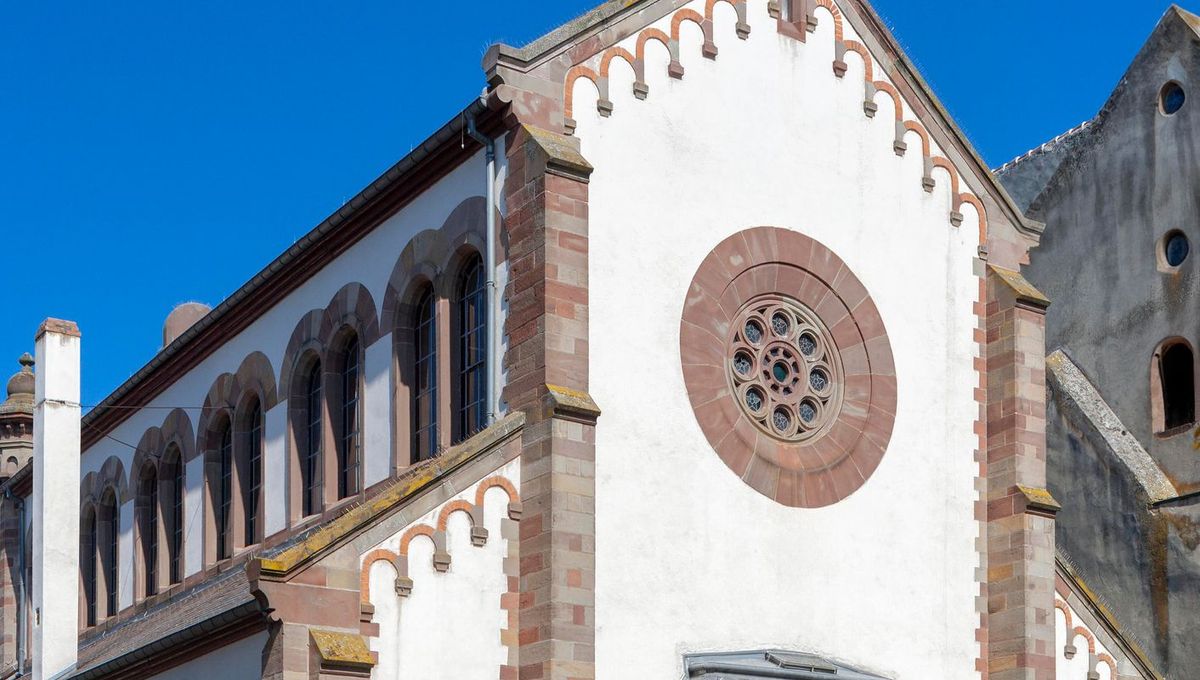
(596, 70)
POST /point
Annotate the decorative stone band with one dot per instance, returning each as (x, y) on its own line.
(766, 261)
(803, 19)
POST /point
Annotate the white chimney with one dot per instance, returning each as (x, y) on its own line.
(56, 445)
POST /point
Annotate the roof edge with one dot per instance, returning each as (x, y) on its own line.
(184, 350)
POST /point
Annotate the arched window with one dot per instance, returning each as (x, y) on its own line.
(424, 392)
(251, 478)
(348, 435)
(314, 431)
(1176, 398)
(223, 496)
(147, 525)
(87, 563)
(106, 521)
(471, 361)
(173, 491)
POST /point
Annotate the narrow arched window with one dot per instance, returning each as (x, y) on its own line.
(172, 479)
(424, 393)
(314, 430)
(471, 322)
(348, 431)
(87, 564)
(147, 522)
(252, 479)
(1177, 375)
(224, 493)
(109, 533)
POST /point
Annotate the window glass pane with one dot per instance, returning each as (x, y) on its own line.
(311, 472)
(425, 424)
(471, 308)
(348, 453)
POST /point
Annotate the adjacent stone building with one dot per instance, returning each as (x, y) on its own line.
(1120, 200)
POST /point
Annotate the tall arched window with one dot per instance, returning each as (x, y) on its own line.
(471, 363)
(173, 491)
(424, 392)
(223, 498)
(89, 539)
(348, 435)
(109, 533)
(251, 479)
(147, 524)
(314, 431)
(1176, 374)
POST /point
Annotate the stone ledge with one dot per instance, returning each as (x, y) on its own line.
(338, 651)
(1024, 291)
(562, 158)
(570, 404)
(1039, 501)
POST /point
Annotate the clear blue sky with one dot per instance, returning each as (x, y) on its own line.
(153, 153)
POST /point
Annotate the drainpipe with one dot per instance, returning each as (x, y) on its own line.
(489, 146)
(20, 505)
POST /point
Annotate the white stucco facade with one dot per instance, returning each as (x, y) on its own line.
(450, 624)
(689, 558)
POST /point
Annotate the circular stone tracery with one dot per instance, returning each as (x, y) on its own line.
(788, 377)
(788, 367)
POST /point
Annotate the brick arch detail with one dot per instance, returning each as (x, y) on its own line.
(1112, 664)
(493, 482)
(709, 49)
(473, 512)
(1087, 635)
(112, 475)
(351, 306)
(1062, 607)
(305, 338)
(413, 532)
(428, 255)
(364, 576)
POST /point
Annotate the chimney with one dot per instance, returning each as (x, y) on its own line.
(56, 443)
(182, 318)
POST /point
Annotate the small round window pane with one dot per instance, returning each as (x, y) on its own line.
(818, 380)
(780, 324)
(1176, 249)
(808, 412)
(1171, 98)
(754, 332)
(780, 371)
(754, 400)
(808, 344)
(782, 420)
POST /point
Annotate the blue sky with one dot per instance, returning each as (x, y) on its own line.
(153, 153)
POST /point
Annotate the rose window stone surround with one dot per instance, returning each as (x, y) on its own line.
(788, 367)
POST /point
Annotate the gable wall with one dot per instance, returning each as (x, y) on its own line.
(689, 557)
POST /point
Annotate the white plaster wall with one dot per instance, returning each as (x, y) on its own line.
(193, 507)
(689, 558)
(369, 262)
(449, 627)
(241, 660)
(275, 470)
(377, 412)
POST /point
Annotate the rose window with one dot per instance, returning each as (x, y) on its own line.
(784, 368)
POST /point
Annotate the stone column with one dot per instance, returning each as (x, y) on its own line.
(56, 442)
(1020, 512)
(547, 363)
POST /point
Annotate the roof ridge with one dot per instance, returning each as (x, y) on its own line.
(1045, 146)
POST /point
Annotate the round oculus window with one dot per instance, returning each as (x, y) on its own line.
(1175, 248)
(1171, 98)
(788, 378)
(788, 367)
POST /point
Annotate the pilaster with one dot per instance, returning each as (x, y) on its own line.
(547, 362)
(1020, 512)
